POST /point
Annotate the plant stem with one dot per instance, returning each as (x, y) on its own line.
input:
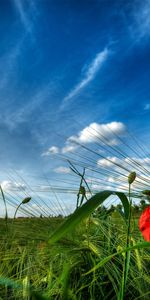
(4, 200)
(127, 254)
(17, 210)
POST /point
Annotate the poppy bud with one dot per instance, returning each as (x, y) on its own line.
(144, 224)
(146, 192)
(26, 200)
(131, 177)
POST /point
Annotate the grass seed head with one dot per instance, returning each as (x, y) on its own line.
(131, 177)
(26, 200)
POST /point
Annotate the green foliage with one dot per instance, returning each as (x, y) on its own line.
(86, 262)
(85, 210)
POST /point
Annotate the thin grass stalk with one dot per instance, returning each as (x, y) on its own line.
(4, 200)
(17, 210)
(127, 254)
(24, 201)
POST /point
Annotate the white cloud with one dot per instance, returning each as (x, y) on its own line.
(127, 164)
(69, 148)
(91, 72)
(143, 161)
(108, 162)
(104, 133)
(10, 185)
(51, 150)
(62, 170)
(100, 132)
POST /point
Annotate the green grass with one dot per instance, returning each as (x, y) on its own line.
(92, 254)
(86, 262)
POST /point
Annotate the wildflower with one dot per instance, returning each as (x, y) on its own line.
(144, 224)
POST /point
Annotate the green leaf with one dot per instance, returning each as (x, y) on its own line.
(85, 210)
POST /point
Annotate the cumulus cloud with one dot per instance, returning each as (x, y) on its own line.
(106, 133)
(62, 170)
(128, 164)
(51, 150)
(109, 162)
(10, 185)
(90, 74)
(102, 133)
(69, 148)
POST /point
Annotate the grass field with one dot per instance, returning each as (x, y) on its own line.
(80, 257)
(97, 252)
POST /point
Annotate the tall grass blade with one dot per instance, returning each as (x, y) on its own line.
(85, 210)
(4, 200)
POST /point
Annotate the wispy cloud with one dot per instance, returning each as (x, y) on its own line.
(141, 20)
(91, 72)
(23, 113)
(27, 14)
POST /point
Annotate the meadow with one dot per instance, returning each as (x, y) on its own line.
(96, 252)
(89, 255)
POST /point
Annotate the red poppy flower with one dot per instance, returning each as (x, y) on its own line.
(144, 224)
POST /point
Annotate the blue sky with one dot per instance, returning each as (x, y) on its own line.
(65, 65)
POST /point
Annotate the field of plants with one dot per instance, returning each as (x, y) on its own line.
(95, 253)
(101, 250)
